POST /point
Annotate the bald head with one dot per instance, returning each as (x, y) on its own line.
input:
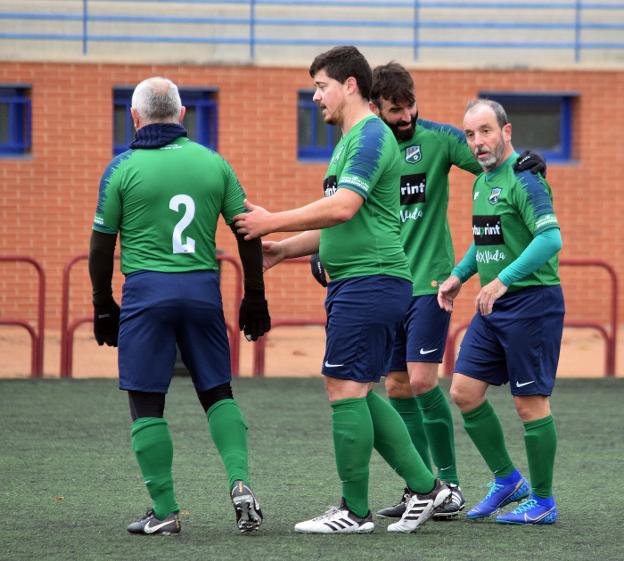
(156, 100)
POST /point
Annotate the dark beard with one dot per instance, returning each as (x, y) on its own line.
(402, 135)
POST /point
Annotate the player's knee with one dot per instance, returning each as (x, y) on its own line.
(420, 386)
(209, 397)
(460, 398)
(398, 385)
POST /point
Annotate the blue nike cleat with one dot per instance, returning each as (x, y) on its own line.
(534, 510)
(503, 490)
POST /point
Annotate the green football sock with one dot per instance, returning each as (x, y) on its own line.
(394, 444)
(540, 438)
(408, 409)
(438, 424)
(229, 433)
(353, 445)
(484, 428)
(153, 447)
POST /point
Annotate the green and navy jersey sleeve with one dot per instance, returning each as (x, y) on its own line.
(426, 160)
(509, 210)
(108, 212)
(366, 157)
(165, 203)
(365, 161)
(456, 148)
(233, 196)
(533, 198)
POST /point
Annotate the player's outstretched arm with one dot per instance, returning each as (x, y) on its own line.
(302, 244)
(323, 213)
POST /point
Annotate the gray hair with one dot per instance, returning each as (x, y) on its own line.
(499, 111)
(157, 100)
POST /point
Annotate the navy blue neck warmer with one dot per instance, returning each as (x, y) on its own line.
(157, 135)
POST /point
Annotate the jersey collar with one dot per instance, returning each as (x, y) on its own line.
(157, 135)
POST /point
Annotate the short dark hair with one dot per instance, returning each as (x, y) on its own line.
(344, 62)
(394, 83)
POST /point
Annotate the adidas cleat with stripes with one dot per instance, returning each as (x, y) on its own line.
(455, 504)
(248, 513)
(397, 510)
(149, 525)
(532, 511)
(421, 507)
(337, 520)
(502, 491)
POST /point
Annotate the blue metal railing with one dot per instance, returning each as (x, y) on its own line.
(398, 23)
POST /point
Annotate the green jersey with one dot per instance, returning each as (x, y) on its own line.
(366, 161)
(509, 209)
(165, 204)
(426, 160)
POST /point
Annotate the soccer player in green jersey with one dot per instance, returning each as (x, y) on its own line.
(356, 227)
(164, 197)
(428, 150)
(515, 336)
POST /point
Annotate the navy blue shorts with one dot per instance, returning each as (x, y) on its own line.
(363, 315)
(519, 342)
(161, 309)
(421, 336)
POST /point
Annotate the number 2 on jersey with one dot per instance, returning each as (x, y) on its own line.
(189, 213)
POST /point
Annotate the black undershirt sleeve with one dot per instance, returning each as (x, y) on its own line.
(251, 258)
(101, 266)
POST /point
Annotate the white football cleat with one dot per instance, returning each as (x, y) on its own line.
(420, 508)
(337, 520)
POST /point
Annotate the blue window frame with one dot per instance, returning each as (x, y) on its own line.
(15, 120)
(540, 121)
(315, 139)
(200, 121)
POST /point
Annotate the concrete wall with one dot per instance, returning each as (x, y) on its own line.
(466, 34)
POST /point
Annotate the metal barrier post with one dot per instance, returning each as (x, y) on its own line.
(37, 336)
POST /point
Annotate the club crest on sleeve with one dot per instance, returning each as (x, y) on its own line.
(413, 154)
(494, 195)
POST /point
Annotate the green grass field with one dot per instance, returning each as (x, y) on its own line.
(70, 483)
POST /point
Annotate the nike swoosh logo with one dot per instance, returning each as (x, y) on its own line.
(328, 365)
(519, 385)
(151, 529)
(428, 351)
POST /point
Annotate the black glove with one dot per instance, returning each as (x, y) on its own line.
(106, 323)
(253, 316)
(318, 271)
(532, 161)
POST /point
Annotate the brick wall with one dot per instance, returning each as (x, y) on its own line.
(48, 199)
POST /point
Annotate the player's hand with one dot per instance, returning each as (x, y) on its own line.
(106, 323)
(488, 295)
(253, 316)
(532, 161)
(254, 223)
(318, 271)
(272, 254)
(448, 291)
